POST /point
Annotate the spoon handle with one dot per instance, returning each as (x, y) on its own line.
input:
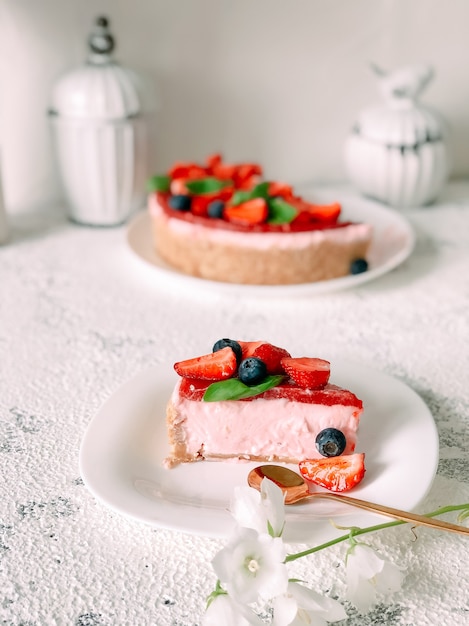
(404, 516)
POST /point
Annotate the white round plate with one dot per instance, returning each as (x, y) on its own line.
(393, 242)
(122, 453)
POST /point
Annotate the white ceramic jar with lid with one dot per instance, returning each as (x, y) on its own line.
(397, 152)
(98, 112)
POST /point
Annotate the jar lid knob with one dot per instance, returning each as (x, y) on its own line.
(101, 43)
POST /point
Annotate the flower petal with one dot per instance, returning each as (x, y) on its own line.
(312, 601)
(364, 561)
(273, 500)
(252, 565)
(362, 594)
(224, 611)
(285, 609)
(367, 574)
(390, 578)
(252, 509)
(246, 507)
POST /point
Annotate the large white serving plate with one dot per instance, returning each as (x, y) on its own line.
(393, 242)
(122, 453)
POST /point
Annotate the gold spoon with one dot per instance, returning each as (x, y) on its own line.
(296, 489)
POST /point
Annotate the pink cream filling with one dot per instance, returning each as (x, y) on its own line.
(281, 428)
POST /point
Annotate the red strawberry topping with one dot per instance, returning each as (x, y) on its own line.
(336, 473)
(248, 347)
(187, 170)
(272, 357)
(199, 204)
(324, 212)
(309, 373)
(246, 173)
(310, 212)
(251, 212)
(280, 189)
(214, 366)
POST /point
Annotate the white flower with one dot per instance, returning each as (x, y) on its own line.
(368, 574)
(301, 606)
(252, 509)
(224, 611)
(252, 565)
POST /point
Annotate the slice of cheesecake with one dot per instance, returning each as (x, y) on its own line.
(288, 415)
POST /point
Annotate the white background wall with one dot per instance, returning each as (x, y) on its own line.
(278, 81)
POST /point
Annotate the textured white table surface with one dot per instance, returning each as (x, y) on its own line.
(79, 316)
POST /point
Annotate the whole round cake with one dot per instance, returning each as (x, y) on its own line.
(223, 222)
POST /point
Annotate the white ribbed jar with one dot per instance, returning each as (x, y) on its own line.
(101, 135)
(397, 152)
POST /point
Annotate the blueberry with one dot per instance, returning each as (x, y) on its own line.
(215, 208)
(180, 203)
(330, 442)
(252, 371)
(229, 343)
(358, 266)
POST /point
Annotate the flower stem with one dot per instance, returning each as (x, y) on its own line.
(369, 529)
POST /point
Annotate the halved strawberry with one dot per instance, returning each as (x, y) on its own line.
(336, 473)
(218, 169)
(245, 171)
(324, 212)
(248, 347)
(272, 357)
(224, 171)
(187, 170)
(311, 212)
(307, 372)
(248, 184)
(249, 213)
(280, 189)
(213, 160)
(214, 366)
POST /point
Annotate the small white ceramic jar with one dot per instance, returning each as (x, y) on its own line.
(101, 135)
(397, 153)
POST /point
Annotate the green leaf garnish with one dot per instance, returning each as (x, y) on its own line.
(200, 186)
(239, 197)
(281, 212)
(234, 389)
(159, 183)
(259, 191)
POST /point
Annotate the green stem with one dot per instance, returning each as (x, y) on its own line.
(370, 529)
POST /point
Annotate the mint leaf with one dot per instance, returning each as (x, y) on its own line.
(281, 212)
(158, 183)
(200, 186)
(234, 389)
(259, 191)
(239, 197)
